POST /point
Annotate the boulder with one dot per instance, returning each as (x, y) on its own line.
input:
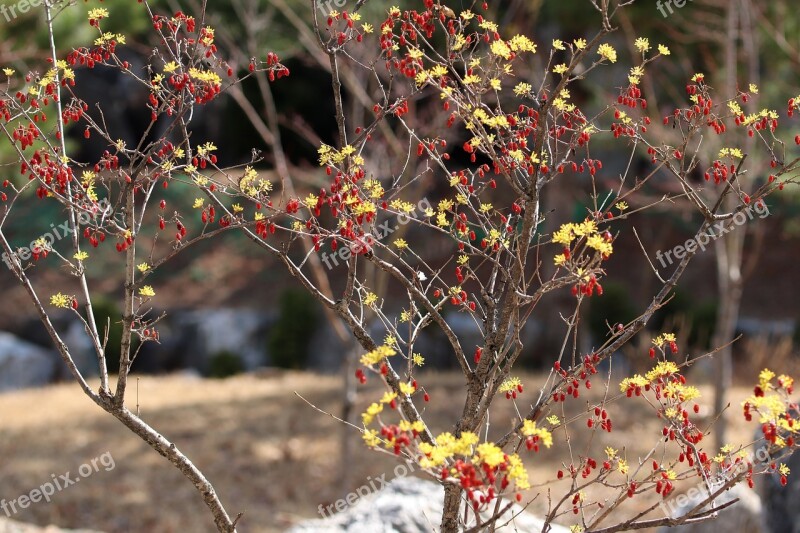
(12, 526)
(782, 504)
(405, 505)
(23, 364)
(744, 516)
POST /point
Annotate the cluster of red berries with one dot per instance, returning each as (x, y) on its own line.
(574, 378)
(588, 288)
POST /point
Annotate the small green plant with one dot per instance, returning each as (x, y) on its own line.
(224, 364)
(289, 339)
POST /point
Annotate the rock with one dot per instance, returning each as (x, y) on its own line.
(23, 364)
(781, 507)
(81, 348)
(744, 516)
(12, 526)
(406, 505)
(191, 338)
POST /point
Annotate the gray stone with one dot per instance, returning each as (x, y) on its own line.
(782, 504)
(207, 332)
(406, 505)
(744, 516)
(80, 348)
(12, 526)
(23, 364)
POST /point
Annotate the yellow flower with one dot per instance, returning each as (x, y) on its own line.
(388, 397)
(406, 388)
(61, 300)
(371, 438)
(377, 355)
(147, 291)
(642, 44)
(606, 51)
(663, 339)
(663, 50)
(553, 420)
(529, 429)
(372, 411)
(81, 256)
(599, 243)
(488, 25)
(662, 369)
(490, 454)
(9, 71)
(564, 235)
(509, 385)
(400, 244)
(143, 267)
(520, 43)
(558, 44)
(198, 203)
(764, 379)
(580, 44)
(98, 14)
(522, 89)
(560, 69)
(417, 359)
(370, 299)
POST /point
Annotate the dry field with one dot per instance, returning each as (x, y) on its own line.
(267, 452)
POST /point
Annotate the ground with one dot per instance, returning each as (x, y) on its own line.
(268, 453)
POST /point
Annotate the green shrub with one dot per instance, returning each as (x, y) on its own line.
(289, 338)
(224, 364)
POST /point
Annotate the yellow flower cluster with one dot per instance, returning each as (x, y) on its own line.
(509, 385)
(446, 447)
(252, 184)
(662, 369)
(377, 355)
(606, 51)
(61, 300)
(664, 338)
(529, 429)
(569, 232)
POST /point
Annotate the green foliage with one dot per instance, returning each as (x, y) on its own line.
(289, 339)
(224, 364)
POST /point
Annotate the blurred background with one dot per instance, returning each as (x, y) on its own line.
(240, 337)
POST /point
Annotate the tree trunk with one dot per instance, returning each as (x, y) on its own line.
(452, 505)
